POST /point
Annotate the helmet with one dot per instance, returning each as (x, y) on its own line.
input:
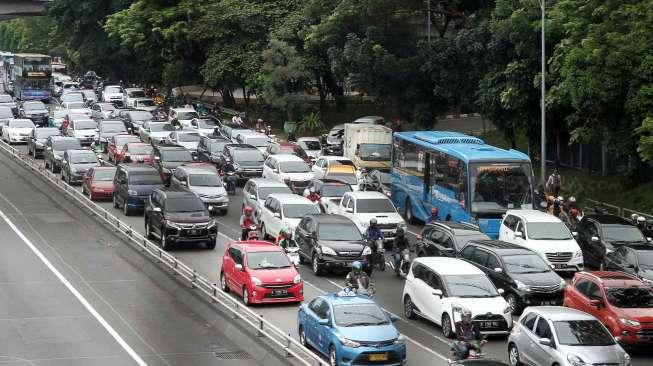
(357, 266)
(252, 235)
(634, 217)
(259, 120)
(641, 220)
(572, 199)
(464, 312)
(372, 222)
(400, 231)
(312, 189)
(248, 210)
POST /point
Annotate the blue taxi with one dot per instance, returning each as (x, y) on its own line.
(351, 330)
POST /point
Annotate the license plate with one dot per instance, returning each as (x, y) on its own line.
(193, 232)
(549, 302)
(489, 324)
(379, 357)
(279, 292)
(559, 266)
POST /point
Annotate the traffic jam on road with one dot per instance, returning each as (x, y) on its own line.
(397, 248)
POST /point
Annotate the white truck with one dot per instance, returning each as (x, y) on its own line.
(368, 146)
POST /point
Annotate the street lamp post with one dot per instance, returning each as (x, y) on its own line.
(428, 20)
(543, 102)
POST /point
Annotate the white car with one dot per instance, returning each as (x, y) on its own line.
(76, 108)
(129, 96)
(183, 115)
(440, 288)
(89, 95)
(145, 104)
(154, 132)
(84, 130)
(256, 190)
(289, 169)
(544, 234)
(188, 139)
(323, 162)
(311, 145)
(112, 94)
(284, 210)
(257, 139)
(361, 207)
(17, 130)
(203, 126)
(103, 111)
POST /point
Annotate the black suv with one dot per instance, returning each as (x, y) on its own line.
(55, 146)
(634, 259)
(167, 158)
(37, 139)
(247, 159)
(524, 276)
(330, 242)
(178, 216)
(445, 238)
(132, 186)
(598, 234)
(210, 149)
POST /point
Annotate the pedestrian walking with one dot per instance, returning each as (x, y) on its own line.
(554, 183)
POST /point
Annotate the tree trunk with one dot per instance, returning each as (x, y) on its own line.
(203, 91)
(245, 97)
(228, 98)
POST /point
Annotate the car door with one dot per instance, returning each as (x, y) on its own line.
(267, 168)
(88, 178)
(275, 173)
(301, 237)
(277, 217)
(436, 303)
(541, 354)
(266, 213)
(317, 168)
(520, 240)
(496, 272)
(156, 216)
(507, 229)
(311, 321)
(324, 330)
(527, 324)
(238, 277)
(593, 292)
(421, 292)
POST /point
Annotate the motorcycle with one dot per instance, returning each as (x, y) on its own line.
(292, 251)
(247, 230)
(365, 287)
(377, 258)
(230, 183)
(404, 264)
(472, 354)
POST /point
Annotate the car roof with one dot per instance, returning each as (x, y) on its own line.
(79, 151)
(501, 247)
(62, 138)
(308, 139)
(612, 278)
(331, 219)
(170, 147)
(286, 157)
(449, 266)
(286, 198)
(533, 215)
(347, 300)
(197, 169)
(458, 228)
(286, 144)
(258, 246)
(265, 182)
(183, 109)
(369, 119)
(134, 89)
(46, 129)
(367, 195)
(132, 167)
(609, 220)
(138, 143)
(334, 157)
(177, 193)
(105, 167)
(241, 146)
(560, 313)
(339, 168)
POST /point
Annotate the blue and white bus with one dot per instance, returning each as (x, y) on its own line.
(464, 178)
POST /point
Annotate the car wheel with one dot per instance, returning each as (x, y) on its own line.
(47, 166)
(164, 240)
(210, 245)
(513, 355)
(245, 296)
(302, 336)
(115, 201)
(224, 212)
(446, 326)
(148, 232)
(409, 310)
(264, 232)
(513, 304)
(408, 212)
(125, 209)
(315, 264)
(90, 195)
(223, 282)
(333, 357)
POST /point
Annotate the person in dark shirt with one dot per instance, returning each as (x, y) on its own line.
(468, 336)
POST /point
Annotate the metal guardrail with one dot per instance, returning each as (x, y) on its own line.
(290, 346)
(620, 211)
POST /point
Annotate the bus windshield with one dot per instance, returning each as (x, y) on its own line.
(496, 187)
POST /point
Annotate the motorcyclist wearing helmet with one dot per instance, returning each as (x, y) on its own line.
(400, 243)
(247, 220)
(641, 224)
(228, 167)
(373, 232)
(468, 336)
(252, 235)
(284, 239)
(313, 196)
(356, 276)
(571, 203)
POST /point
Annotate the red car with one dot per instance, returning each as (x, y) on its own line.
(116, 143)
(98, 182)
(135, 152)
(620, 301)
(287, 148)
(260, 272)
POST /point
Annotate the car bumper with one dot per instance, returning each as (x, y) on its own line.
(99, 193)
(18, 138)
(246, 174)
(136, 202)
(389, 355)
(38, 151)
(332, 150)
(215, 206)
(635, 336)
(541, 298)
(76, 178)
(276, 294)
(176, 235)
(574, 265)
(86, 141)
(331, 262)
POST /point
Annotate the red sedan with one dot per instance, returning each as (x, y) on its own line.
(260, 272)
(116, 143)
(135, 152)
(98, 182)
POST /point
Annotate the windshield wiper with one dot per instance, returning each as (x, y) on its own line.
(359, 324)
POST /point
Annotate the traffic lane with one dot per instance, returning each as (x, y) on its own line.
(163, 320)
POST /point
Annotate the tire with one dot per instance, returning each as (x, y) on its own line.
(301, 259)
(115, 201)
(514, 304)
(90, 195)
(315, 266)
(408, 212)
(409, 309)
(210, 245)
(245, 296)
(333, 356)
(513, 355)
(165, 245)
(125, 209)
(223, 283)
(302, 336)
(47, 166)
(446, 326)
(148, 232)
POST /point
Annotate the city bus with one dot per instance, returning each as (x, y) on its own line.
(464, 178)
(32, 77)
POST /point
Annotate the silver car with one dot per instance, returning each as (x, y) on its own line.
(256, 190)
(205, 182)
(555, 335)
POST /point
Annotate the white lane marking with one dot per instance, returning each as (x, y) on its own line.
(74, 291)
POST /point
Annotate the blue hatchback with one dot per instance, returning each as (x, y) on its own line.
(351, 330)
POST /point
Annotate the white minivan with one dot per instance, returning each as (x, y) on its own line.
(284, 210)
(544, 234)
(289, 169)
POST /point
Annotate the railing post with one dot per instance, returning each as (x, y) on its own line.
(236, 311)
(259, 333)
(215, 292)
(192, 283)
(288, 354)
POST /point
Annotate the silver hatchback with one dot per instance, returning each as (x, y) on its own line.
(555, 335)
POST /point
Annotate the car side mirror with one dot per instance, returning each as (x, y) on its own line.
(324, 322)
(498, 270)
(394, 318)
(276, 171)
(349, 210)
(596, 303)
(500, 291)
(252, 196)
(649, 239)
(97, 130)
(156, 209)
(239, 267)
(519, 234)
(438, 293)
(65, 161)
(545, 342)
(574, 234)
(594, 238)
(277, 215)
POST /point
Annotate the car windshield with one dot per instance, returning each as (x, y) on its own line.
(74, 105)
(145, 103)
(113, 127)
(140, 116)
(34, 106)
(525, 263)
(375, 152)
(267, 260)
(66, 145)
(176, 155)
(248, 155)
(137, 94)
(264, 192)
(342, 162)
(145, 179)
(112, 90)
(470, 286)
(104, 175)
(189, 137)
(187, 115)
(645, 259)
(44, 133)
(258, 141)
(498, 187)
(21, 124)
(73, 97)
(206, 123)
(122, 140)
(5, 98)
(160, 127)
(359, 315)
(108, 107)
(630, 297)
(335, 189)
(310, 145)
(83, 158)
(624, 233)
(582, 333)
(372, 205)
(5, 112)
(217, 146)
(293, 167)
(140, 149)
(349, 178)
(85, 125)
(184, 204)
(339, 232)
(204, 180)
(299, 210)
(548, 231)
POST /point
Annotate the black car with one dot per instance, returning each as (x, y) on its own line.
(132, 185)
(179, 216)
(635, 259)
(332, 142)
(247, 159)
(55, 146)
(134, 119)
(524, 276)
(36, 111)
(330, 242)
(599, 234)
(107, 129)
(446, 238)
(76, 163)
(37, 139)
(167, 158)
(210, 149)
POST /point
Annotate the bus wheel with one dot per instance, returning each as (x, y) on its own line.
(408, 212)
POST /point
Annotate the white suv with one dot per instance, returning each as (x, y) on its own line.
(288, 169)
(440, 288)
(544, 234)
(284, 210)
(361, 207)
(183, 116)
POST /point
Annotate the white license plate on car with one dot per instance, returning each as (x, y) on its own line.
(559, 266)
(549, 302)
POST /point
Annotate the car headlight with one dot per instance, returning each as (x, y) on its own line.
(563, 284)
(348, 342)
(629, 322)
(647, 281)
(367, 251)
(575, 360)
(211, 224)
(171, 224)
(626, 360)
(578, 254)
(297, 279)
(400, 340)
(256, 281)
(328, 251)
(132, 192)
(402, 225)
(522, 286)
(507, 309)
